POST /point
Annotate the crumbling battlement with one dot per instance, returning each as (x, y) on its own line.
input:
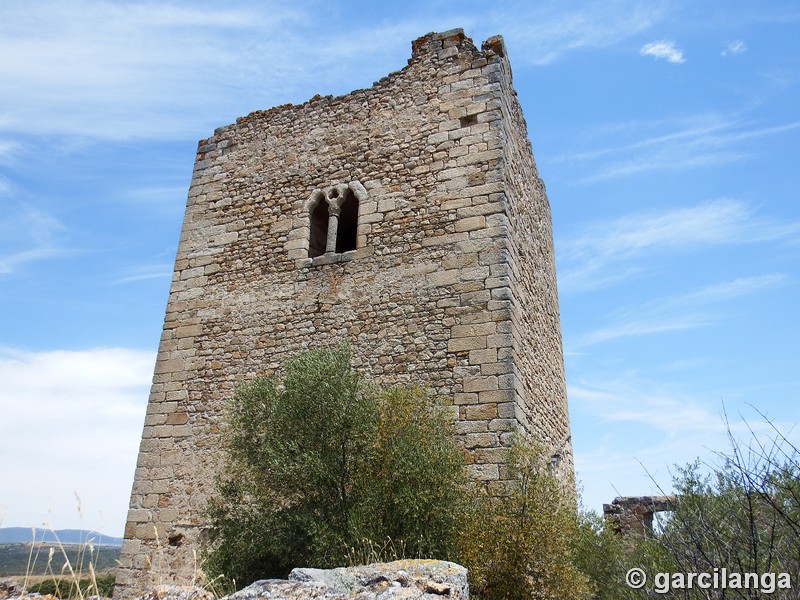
(407, 218)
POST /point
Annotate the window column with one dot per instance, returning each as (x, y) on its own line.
(333, 227)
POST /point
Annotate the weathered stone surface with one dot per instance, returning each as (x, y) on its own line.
(12, 590)
(399, 580)
(166, 591)
(446, 280)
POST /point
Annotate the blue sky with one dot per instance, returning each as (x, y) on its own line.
(667, 134)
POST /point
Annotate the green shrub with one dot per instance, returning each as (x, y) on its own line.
(67, 587)
(740, 515)
(322, 467)
(522, 547)
(416, 490)
(604, 557)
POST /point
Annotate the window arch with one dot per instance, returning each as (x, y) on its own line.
(332, 214)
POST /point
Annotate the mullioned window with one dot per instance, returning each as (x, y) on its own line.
(333, 219)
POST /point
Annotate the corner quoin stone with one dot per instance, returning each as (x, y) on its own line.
(446, 277)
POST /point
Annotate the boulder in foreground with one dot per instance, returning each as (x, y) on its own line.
(402, 579)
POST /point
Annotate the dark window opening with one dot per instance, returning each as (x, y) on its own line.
(347, 232)
(468, 120)
(319, 230)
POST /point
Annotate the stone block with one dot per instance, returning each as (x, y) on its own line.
(441, 278)
(486, 472)
(482, 209)
(462, 398)
(296, 244)
(188, 331)
(475, 330)
(139, 515)
(375, 217)
(470, 223)
(458, 261)
(491, 455)
(480, 357)
(496, 368)
(506, 410)
(498, 340)
(475, 273)
(456, 203)
(503, 425)
(496, 395)
(481, 412)
(465, 427)
(367, 208)
(387, 204)
(480, 440)
(444, 239)
(480, 383)
(170, 365)
(466, 343)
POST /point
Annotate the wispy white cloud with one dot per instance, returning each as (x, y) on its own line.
(121, 70)
(71, 419)
(547, 33)
(8, 150)
(609, 251)
(5, 186)
(678, 131)
(27, 234)
(695, 309)
(629, 399)
(735, 47)
(168, 199)
(144, 272)
(686, 143)
(665, 160)
(663, 49)
(647, 427)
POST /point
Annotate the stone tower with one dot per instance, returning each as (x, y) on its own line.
(407, 218)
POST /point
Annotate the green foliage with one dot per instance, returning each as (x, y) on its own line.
(67, 587)
(523, 546)
(741, 515)
(601, 554)
(322, 466)
(604, 557)
(416, 489)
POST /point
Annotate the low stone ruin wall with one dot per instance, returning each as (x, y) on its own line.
(634, 514)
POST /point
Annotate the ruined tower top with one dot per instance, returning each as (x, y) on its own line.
(407, 218)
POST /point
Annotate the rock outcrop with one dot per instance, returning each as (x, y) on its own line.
(402, 579)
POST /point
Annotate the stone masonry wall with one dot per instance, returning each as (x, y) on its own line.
(451, 284)
(540, 396)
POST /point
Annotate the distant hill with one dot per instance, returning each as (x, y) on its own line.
(23, 558)
(17, 535)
